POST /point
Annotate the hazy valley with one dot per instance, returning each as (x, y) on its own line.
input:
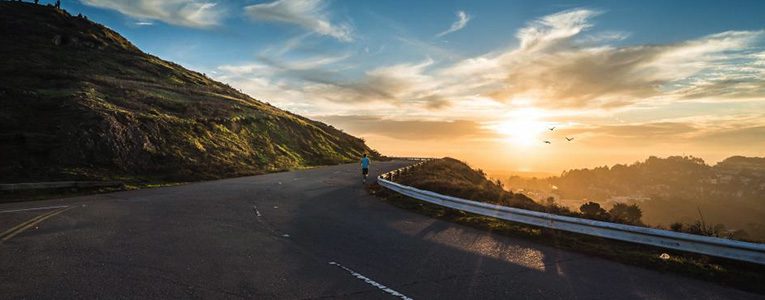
(668, 190)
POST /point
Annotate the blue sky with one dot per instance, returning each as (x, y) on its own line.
(492, 25)
(472, 78)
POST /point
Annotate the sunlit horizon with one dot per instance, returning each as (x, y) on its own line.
(483, 82)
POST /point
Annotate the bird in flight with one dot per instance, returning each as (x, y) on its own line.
(569, 139)
(548, 142)
(551, 128)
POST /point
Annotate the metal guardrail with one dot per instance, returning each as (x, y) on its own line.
(412, 158)
(713, 246)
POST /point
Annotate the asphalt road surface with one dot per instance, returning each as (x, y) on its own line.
(296, 235)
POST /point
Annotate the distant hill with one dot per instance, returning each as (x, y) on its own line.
(749, 166)
(670, 189)
(79, 101)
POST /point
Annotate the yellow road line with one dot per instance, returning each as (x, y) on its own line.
(7, 235)
(25, 223)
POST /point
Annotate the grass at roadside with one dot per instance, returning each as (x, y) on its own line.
(55, 193)
(130, 183)
(457, 179)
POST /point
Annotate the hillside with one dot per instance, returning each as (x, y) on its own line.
(79, 101)
(452, 177)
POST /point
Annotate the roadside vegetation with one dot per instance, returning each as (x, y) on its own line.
(53, 193)
(452, 177)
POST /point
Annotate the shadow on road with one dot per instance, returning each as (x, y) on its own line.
(427, 258)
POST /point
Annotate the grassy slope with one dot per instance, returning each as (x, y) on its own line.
(78, 101)
(464, 182)
(452, 177)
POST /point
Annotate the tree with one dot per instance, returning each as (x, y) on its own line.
(593, 210)
(628, 214)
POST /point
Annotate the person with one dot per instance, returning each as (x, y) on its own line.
(364, 168)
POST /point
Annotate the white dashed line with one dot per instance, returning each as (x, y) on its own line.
(34, 208)
(257, 212)
(371, 282)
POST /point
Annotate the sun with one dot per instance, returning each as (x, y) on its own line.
(523, 128)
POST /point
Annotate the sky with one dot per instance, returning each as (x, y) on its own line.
(488, 82)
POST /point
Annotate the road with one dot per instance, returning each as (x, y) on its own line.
(305, 234)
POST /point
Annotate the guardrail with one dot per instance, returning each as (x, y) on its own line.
(737, 250)
(412, 158)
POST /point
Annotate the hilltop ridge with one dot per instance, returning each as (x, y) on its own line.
(79, 101)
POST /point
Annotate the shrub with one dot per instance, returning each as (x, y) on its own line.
(627, 214)
(592, 210)
(677, 226)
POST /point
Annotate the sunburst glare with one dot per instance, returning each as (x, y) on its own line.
(523, 127)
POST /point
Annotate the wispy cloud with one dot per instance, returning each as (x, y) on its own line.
(309, 14)
(739, 131)
(462, 20)
(402, 85)
(561, 62)
(555, 29)
(190, 13)
(552, 67)
(406, 129)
